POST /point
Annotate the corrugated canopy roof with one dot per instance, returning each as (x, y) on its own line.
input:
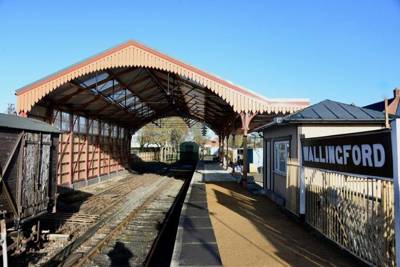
(132, 85)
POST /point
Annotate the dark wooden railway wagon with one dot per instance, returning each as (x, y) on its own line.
(189, 152)
(28, 165)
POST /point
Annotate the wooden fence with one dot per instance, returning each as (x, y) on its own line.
(167, 157)
(146, 156)
(355, 212)
(292, 198)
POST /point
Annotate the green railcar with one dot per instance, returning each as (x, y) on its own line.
(189, 152)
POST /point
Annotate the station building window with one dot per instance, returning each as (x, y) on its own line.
(114, 131)
(57, 119)
(79, 124)
(105, 129)
(281, 154)
(66, 121)
(94, 127)
(82, 124)
(121, 132)
(62, 120)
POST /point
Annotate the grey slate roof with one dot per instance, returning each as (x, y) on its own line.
(329, 111)
(332, 110)
(380, 106)
(16, 122)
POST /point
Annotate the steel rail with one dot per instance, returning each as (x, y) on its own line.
(80, 261)
(72, 246)
(181, 196)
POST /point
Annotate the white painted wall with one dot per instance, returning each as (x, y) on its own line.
(258, 157)
(277, 182)
(322, 130)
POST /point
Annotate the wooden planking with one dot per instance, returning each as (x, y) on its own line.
(292, 185)
(92, 156)
(37, 174)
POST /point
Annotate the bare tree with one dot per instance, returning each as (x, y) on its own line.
(198, 136)
(11, 109)
(174, 132)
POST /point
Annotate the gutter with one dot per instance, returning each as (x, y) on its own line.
(324, 122)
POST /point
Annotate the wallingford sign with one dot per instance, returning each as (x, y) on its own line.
(366, 153)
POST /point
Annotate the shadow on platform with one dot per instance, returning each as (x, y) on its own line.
(252, 231)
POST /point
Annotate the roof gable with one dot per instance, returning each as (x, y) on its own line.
(133, 54)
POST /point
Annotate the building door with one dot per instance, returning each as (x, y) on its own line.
(35, 173)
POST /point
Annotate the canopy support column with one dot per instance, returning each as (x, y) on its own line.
(234, 160)
(227, 152)
(222, 149)
(246, 119)
(219, 148)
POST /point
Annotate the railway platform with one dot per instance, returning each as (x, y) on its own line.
(223, 224)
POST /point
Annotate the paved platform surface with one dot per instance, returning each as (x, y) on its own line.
(223, 224)
(195, 243)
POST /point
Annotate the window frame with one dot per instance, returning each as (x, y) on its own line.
(94, 127)
(277, 153)
(82, 126)
(62, 120)
(105, 129)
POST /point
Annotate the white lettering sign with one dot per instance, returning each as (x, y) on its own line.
(360, 155)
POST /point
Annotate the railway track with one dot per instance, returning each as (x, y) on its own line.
(127, 242)
(85, 213)
(108, 219)
(111, 215)
(91, 214)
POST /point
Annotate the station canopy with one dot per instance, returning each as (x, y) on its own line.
(132, 85)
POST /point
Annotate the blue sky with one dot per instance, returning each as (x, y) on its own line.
(343, 50)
